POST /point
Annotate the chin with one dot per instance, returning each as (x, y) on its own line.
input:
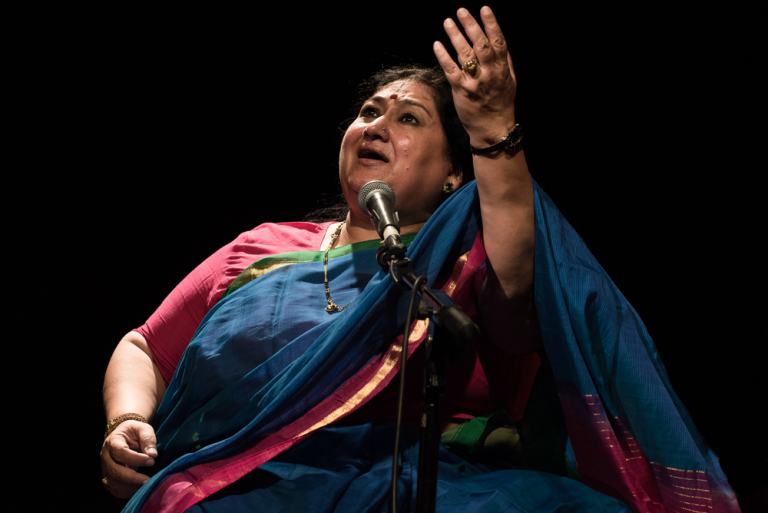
(361, 177)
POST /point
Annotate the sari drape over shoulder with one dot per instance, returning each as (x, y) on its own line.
(269, 372)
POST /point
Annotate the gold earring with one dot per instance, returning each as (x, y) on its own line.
(448, 188)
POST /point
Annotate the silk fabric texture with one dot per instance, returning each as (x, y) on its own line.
(266, 371)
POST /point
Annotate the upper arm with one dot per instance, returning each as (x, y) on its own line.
(507, 206)
(169, 330)
(509, 320)
(137, 339)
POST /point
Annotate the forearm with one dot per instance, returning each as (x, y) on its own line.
(506, 203)
(484, 97)
(507, 308)
(133, 383)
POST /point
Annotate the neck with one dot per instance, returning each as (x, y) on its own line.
(358, 229)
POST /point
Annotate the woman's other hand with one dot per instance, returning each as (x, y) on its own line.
(131, 445)
(485, 98)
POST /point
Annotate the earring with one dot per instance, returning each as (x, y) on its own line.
(448, 188)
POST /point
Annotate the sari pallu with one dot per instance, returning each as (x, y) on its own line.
(227, 412)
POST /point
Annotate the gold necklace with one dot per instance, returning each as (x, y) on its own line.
(331, 305)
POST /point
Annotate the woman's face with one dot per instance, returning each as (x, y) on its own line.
(397, 138)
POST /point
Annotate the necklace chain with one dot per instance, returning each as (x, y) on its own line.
(331, 305)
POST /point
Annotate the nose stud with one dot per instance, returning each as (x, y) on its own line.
(384, 129)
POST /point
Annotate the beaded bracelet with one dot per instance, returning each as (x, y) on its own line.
(112, 424)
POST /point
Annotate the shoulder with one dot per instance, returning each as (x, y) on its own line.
(265, 240)
(275, 238)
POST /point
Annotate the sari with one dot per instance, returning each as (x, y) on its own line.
(251, 414)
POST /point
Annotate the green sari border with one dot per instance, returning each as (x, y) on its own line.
(272, 262)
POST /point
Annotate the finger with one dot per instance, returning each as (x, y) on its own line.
(147, 439)
(139, 437)
(122, 481)
(493, 31)
(127, 476)
(123, 489)
(480, 44)
(124, 455)
(511, 69)
(463, 49)
(120, 451)
(450, 68)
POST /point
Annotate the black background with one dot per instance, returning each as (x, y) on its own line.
(178, 128)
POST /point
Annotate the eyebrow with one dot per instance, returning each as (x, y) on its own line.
(381, 99)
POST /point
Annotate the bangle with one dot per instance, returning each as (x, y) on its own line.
(512, 140)
(112, 424)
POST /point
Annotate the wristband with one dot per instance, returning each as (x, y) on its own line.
(512, 140)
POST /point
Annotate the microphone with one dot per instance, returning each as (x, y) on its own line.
(377, 199)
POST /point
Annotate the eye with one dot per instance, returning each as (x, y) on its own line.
(410, 118)
(369, 112)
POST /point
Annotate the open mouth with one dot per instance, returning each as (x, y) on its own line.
(366, 153)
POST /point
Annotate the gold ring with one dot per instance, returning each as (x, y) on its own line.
(470, 66)
(106, 483)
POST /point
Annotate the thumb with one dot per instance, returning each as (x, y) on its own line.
(147, 440)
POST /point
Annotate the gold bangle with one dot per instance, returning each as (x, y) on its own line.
(112, 424)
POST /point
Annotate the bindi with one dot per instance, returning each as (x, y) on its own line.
(392, 99)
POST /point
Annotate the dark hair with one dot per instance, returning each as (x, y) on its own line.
(457, 147)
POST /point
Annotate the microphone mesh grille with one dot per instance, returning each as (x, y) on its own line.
(373, 186)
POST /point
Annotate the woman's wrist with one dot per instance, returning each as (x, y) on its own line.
(511, 143)
(116, 421)
(492, 133)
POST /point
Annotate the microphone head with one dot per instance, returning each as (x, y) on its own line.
(370, 188)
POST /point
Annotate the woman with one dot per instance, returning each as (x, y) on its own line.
(275, 396)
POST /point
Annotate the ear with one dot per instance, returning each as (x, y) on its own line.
(458, 176)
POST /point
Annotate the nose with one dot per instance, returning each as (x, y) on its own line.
(377, 129)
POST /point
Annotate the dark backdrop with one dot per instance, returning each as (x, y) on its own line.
(182, 127)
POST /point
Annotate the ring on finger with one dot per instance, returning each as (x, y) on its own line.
(470, 66)
(106, 482)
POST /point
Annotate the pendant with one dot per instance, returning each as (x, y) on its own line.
(330, 308)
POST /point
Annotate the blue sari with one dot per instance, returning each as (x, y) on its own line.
(248, 419)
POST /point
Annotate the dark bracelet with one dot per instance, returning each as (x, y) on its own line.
(512, 140)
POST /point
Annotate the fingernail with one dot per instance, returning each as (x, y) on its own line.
(449, 23)
(487, 10)
(463, 12)
(149, 463)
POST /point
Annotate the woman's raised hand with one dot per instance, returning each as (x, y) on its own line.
(485, 98)
(131, 445)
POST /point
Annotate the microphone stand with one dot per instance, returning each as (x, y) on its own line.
(450, 333)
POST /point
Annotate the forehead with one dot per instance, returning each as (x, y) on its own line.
(408, 89)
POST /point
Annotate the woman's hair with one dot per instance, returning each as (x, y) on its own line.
(456, 149)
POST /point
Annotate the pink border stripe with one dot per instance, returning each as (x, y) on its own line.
(610, 461)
